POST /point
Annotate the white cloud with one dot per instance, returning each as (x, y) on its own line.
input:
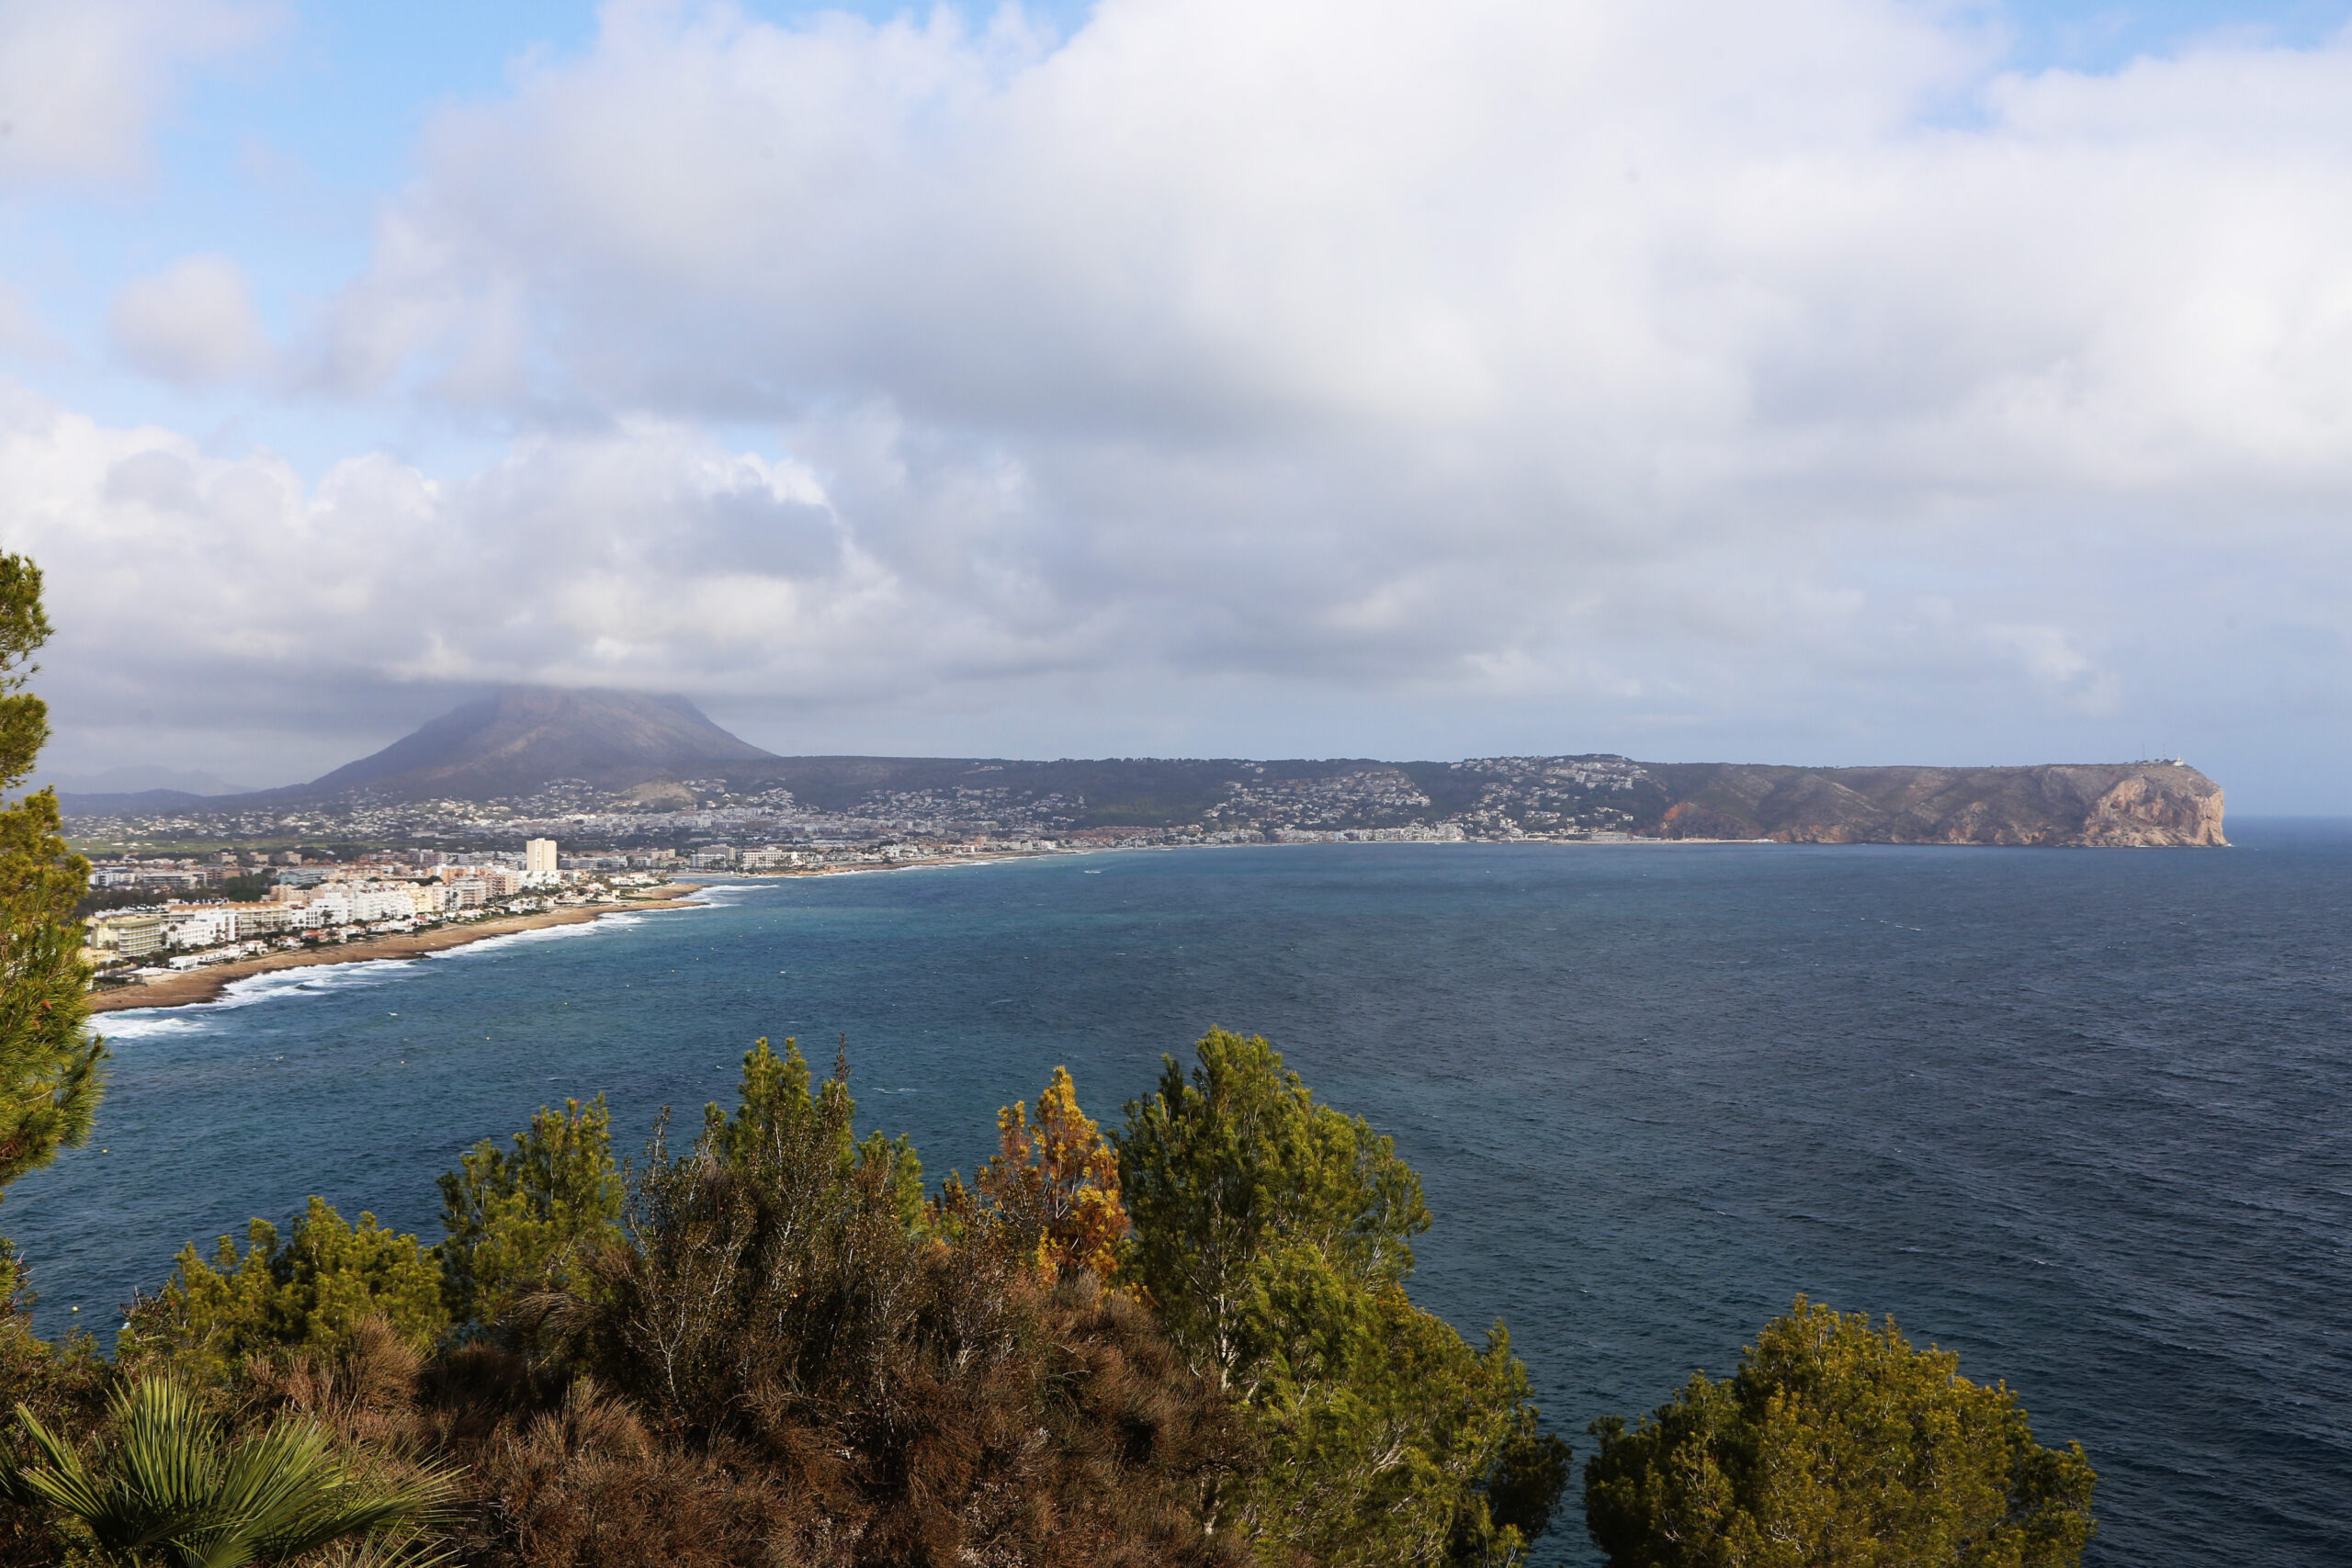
(22, 331)
(83, 81)
(190, 325)
(234, 597)
(1360, 336)
(1749, 370)
(883, 590)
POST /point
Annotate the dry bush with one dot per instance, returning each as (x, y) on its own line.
(65, 1386)
(918, 1402)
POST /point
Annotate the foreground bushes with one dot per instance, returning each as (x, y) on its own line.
(767, 1347)
(1836, 1443)
(1188, 1342)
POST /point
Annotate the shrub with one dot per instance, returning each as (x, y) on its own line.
(1274, 1235)
(780, 1306)
(517, 1221)
(314, 1290)
(1836, 1443)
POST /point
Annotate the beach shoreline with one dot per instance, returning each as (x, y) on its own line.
(199, 986)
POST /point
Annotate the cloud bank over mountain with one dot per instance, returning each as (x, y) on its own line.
(1682, 379)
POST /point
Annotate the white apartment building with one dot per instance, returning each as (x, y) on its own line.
(125, 936)
(205, 925)
(264, 919)
(539, 857)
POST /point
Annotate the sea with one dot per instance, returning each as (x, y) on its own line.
(2080, 1116)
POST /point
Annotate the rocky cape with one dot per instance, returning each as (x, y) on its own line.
(2152, 805)
(550, 752)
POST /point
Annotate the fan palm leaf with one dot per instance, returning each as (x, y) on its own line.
(168, 1486)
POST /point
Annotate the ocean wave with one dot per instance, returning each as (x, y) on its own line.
(520, 939)
(703, 896)
(316, 979)
(145, 1023)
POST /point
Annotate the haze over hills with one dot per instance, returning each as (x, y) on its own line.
(549, 749)
(138, 789)
(521, 739)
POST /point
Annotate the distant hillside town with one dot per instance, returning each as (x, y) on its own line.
(639, 783)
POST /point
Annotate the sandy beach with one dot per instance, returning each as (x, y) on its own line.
(206, 984)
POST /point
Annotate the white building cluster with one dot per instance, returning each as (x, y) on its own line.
(337, 903)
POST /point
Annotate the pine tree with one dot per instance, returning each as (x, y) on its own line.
(51, 1068)
(1836, 1443)
(517, 1221)
(1274, 1233)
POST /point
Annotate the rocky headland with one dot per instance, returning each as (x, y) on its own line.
(2154, 805)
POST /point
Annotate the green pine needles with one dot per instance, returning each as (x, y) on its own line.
(51, 1068)
(1836, 1443)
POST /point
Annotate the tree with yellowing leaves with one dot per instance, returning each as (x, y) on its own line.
(1057, 1179)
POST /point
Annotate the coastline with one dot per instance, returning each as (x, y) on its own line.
(206, 985)
(199, 986)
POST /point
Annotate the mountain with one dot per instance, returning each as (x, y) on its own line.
(142, 781)
(522, 737)
(133, 803)
(135, 791)
(2117, 805)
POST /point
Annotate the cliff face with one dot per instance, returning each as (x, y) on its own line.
(2101, 805)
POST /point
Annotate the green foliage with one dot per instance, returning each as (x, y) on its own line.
(1381, 1430)
(1839, 1446)
(24, 626)
(51, 1068)
(764, 1346)
(250, 888)
(1274, 1234)
(1219, 1172)
(168, 1487)
(516, 1222)
(776, 1110)
(923, 1399)
(314, 1291)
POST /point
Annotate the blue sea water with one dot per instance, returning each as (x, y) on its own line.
(2080, 1116)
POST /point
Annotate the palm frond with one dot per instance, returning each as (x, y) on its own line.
(167, 1483)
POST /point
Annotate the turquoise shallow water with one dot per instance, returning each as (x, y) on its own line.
(2080, 1116)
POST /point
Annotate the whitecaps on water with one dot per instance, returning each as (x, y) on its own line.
(520, 939)
(702, 895)
(144, 1023)
(317, 979)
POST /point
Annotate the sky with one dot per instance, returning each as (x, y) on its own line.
(1822, 381)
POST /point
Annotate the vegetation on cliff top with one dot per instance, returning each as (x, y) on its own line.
(770, 1327)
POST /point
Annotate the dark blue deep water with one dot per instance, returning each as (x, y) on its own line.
(2080, 1116)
